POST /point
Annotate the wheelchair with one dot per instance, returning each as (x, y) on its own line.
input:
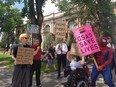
(76, 78)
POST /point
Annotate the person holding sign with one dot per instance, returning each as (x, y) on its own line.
(21, 71)
(103, 59)
(36, 66)
(61, 50)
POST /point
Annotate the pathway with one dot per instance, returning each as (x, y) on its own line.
(48, 79)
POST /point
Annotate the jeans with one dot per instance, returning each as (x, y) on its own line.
(105, 73)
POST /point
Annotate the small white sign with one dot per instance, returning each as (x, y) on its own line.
(31, 28)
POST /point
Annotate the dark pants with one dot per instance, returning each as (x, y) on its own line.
(21, 76)
(36, 67)
(106, 75)
(61, 58)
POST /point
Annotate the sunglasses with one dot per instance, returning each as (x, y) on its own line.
(25, 38)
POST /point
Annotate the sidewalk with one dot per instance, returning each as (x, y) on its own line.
(5, 77)
(48, 79)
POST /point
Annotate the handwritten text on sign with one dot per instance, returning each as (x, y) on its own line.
(86, 40)
(24, 55)
(60, 29)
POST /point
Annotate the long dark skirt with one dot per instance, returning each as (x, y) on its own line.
(21, 76)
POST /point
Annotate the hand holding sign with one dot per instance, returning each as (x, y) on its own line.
(38, 47)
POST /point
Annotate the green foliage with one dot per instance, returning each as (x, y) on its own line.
(96, 11)
(33, 11)
(2, 44)
(70, 39)
(10, 19)
(56, 41)
(48, 40)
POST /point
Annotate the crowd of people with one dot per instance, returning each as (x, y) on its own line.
(23, 73)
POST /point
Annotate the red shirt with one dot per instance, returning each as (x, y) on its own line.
(100, 56)
(39, 53)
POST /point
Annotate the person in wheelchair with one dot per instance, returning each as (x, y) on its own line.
(75, 71)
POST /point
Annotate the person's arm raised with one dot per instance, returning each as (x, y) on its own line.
(35, 52)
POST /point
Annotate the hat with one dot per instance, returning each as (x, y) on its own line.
(24, 35)
(103, 41)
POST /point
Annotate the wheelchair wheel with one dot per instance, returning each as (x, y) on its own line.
(81, 84)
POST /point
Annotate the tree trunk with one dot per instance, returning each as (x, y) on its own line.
(36, 12)
(32, 11)
(39, 4)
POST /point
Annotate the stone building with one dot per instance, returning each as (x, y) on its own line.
(50, 21)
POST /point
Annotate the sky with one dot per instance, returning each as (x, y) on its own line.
(48, 9)
(19, 6)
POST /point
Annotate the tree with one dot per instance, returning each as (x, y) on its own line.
(10, 19)
(95, 11)
(33, 10)
(48, 40)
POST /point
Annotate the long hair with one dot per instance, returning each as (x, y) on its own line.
(78, 58)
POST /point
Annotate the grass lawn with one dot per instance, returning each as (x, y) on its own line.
(7, 62)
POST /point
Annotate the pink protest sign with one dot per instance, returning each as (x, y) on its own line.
(86, 40)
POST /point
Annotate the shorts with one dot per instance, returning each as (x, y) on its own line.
(50, 61)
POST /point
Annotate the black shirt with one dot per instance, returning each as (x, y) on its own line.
(52, 51)
(15, 49)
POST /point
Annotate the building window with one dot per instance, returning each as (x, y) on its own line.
(71, 25)
(47, 29)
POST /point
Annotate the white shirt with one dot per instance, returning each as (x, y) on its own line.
(74, 65)
(64, 48)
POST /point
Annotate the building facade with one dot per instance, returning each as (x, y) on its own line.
(50, 21)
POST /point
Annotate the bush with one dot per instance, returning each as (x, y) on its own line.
(2, 44)
(48, 40)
